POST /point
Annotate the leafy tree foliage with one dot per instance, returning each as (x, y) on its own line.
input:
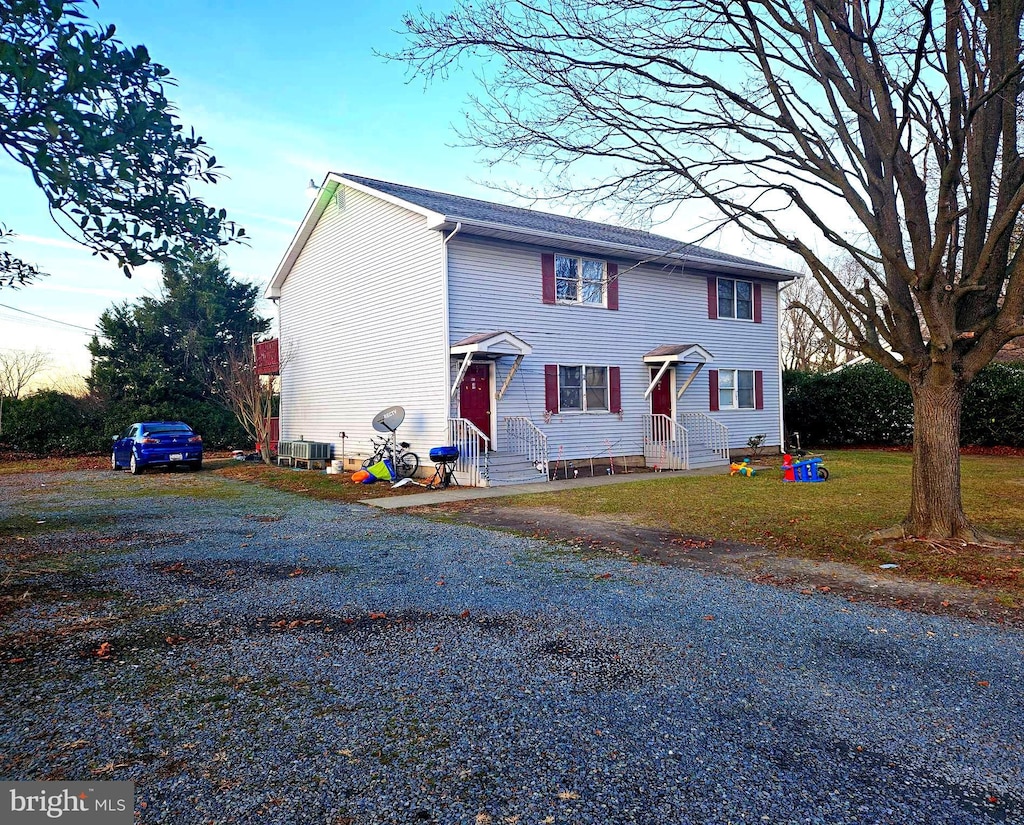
(90, 119)
(891, 132)
(159, 356)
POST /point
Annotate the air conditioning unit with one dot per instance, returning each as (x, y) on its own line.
(310, 450)
(284, 449)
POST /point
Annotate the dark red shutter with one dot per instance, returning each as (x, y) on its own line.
(551, 388)
(713, 389)
(547, 273)
(613, 287)
(614, 390)
(759, 389)
(713, 299)
(757, 303)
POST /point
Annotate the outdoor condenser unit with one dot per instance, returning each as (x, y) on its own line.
(309, 450)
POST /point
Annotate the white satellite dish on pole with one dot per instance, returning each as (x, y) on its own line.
(387, 421)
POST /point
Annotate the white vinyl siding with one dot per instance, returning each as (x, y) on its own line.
(362, 327)
(495, 285)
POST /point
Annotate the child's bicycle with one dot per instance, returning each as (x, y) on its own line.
(405, 462)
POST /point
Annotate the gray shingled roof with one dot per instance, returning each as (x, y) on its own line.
(457, 207)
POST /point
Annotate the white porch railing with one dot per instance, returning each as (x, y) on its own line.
(666, 443)
(471, 468)
(705, 430)
(526, 439)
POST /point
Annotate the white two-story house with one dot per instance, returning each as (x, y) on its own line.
(529, 340)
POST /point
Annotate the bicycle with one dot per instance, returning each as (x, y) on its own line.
(405, 462)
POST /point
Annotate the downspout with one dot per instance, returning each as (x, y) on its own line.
(778, 337)
(445, 324)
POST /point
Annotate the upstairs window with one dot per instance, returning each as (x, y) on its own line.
(735, 299)
(579, 280)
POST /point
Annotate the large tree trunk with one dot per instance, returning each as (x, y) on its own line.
(936, 510)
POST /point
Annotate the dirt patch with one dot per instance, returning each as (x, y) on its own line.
(623, 538)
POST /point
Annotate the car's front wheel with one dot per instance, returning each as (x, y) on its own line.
(134, 466)
(113, 462)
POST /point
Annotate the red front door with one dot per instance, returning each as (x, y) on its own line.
(475, 397)
(661, 395)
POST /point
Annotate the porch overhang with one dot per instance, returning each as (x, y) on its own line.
(489, 346)
(669, 354)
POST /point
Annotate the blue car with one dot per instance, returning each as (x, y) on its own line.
(157, 443)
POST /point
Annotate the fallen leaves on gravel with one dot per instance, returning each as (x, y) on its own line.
(103, 651)
(566, 795)
(110, 767)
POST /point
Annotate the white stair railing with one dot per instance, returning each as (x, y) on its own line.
(471, 468)
(666, 443)
(526, 439)
(707, 431)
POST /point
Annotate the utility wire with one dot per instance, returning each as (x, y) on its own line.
(51, 320)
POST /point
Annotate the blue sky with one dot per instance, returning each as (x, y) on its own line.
(281, 98)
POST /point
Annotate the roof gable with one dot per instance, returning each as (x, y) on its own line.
(446, 211)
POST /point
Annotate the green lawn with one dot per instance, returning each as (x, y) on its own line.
(868, 490)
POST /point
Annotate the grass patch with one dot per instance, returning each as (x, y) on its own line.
(24, 526)
(868, 490)
(310, 483)
(12, 466)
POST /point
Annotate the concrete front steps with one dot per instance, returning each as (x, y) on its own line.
(701, 457)
(509, 468)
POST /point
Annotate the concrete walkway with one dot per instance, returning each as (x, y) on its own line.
(452, 494)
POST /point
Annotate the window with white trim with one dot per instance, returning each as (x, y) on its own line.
(579, 280)
(736, 390)
(735, 299)
(583, 388)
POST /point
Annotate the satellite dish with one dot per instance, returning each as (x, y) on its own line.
(387, 421)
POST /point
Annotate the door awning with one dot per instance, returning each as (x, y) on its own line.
(678, 353)
(668, 354)
(489, 346)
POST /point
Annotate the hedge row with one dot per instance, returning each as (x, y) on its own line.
(865, 405)
(55, 423)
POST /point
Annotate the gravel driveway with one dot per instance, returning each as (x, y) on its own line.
(276, 660)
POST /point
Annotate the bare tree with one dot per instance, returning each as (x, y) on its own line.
(884, 132)
(249, 395)
(814, 333)
(17, 369)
